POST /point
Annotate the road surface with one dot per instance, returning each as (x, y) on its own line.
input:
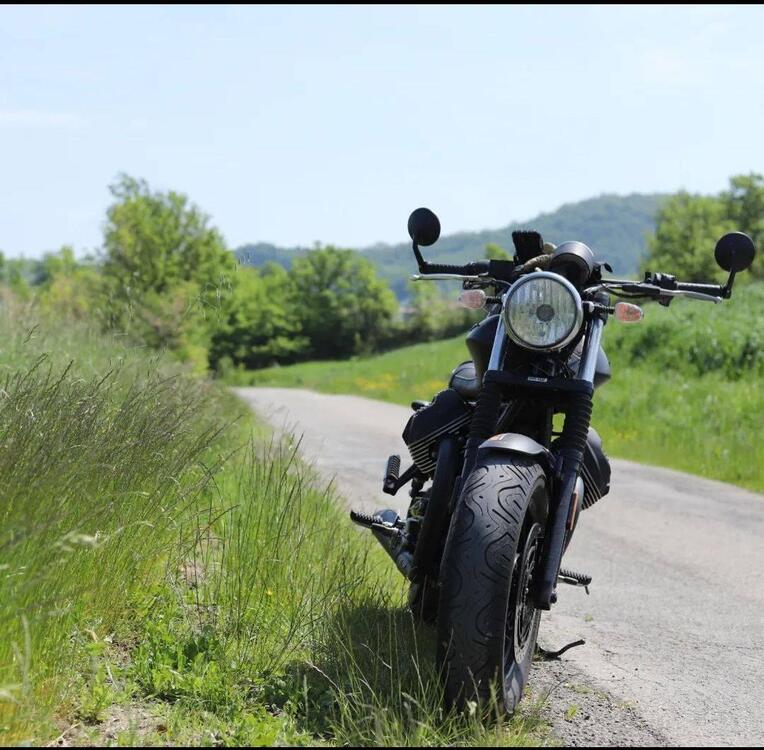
(674, 626)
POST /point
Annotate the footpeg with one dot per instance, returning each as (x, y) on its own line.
(390, 530)
(385, 517)
(364, 519)
(394, 480)
(574, 579)
(392, 472)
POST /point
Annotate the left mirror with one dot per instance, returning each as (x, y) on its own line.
(424, 227)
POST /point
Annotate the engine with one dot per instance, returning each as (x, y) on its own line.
(447, 414)
(595, 470)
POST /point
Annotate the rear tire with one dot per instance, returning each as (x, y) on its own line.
(487, 624)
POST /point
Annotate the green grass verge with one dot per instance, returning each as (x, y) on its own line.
(686, 392)
(170, 575)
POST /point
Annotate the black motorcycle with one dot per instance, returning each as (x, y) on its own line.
(496, 492)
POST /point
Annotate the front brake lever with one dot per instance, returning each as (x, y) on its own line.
(691, 295)
(663, 296)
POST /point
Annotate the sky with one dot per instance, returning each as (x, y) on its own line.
(298, 124)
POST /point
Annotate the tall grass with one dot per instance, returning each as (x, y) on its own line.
(317, 616)
(160, 553)
(686, 391)
(101, 462)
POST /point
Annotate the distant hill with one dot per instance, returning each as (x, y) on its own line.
(614, 226)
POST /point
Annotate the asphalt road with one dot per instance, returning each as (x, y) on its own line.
(674, 626)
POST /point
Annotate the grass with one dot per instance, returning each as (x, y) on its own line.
(686, 392)
(171, 575)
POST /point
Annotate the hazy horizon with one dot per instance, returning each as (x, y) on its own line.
(446, 231)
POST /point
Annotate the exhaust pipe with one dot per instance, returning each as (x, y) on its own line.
(395, 542)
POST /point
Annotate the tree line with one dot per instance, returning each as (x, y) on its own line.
(165, 278)
(688, 226)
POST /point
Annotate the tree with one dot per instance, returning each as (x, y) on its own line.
(167, 271)
(343, 307)
(688, 227)
(686, 232)
(68, 288)
(260, 327)
(496, 252)
(175, 321)
(57, 264)
(154, 241)
(428, 307)
(744, 205)
(435, 315)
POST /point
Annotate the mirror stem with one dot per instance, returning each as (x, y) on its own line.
(728, 285)
(419, 259)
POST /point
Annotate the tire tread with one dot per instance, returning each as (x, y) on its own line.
(476, 574)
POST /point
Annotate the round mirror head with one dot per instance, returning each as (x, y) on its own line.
(735, 251)
(424, 227)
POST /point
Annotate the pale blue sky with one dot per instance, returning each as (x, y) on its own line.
(296, 124)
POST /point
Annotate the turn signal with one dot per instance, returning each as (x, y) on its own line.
(625, 312)
(472, 299)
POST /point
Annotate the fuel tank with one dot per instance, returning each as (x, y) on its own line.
(480, 343)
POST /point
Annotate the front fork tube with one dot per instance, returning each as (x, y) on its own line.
(563, 512)
(570, 458)
(488, 405)
(572, 444)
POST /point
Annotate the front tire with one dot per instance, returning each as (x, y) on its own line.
(424, 591)
(487, 624)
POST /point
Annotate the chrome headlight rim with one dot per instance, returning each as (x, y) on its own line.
(575, 296)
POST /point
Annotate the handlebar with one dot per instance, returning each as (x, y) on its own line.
(664, 286)
(428, 269)
(659, 286)
(499, 270)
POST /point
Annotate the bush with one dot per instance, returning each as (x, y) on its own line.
(694, 338)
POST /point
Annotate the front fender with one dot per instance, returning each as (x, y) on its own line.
(514, 442)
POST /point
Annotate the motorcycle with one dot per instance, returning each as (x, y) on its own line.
(496, 492)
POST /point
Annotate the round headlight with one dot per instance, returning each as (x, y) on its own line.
(543, 311)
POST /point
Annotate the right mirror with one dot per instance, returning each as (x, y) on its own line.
(424, 227)
(735, 251)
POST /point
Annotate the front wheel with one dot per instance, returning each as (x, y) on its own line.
(487, 623)
(423, 594)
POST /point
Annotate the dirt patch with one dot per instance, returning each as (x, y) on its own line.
(137, 723)
(581, 714)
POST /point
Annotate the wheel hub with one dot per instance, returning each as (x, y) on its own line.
(524, 617)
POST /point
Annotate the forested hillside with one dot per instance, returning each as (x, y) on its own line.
(614, 226)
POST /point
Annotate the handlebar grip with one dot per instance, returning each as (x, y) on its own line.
(469, 269)
(444, 268)
(715, 290)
